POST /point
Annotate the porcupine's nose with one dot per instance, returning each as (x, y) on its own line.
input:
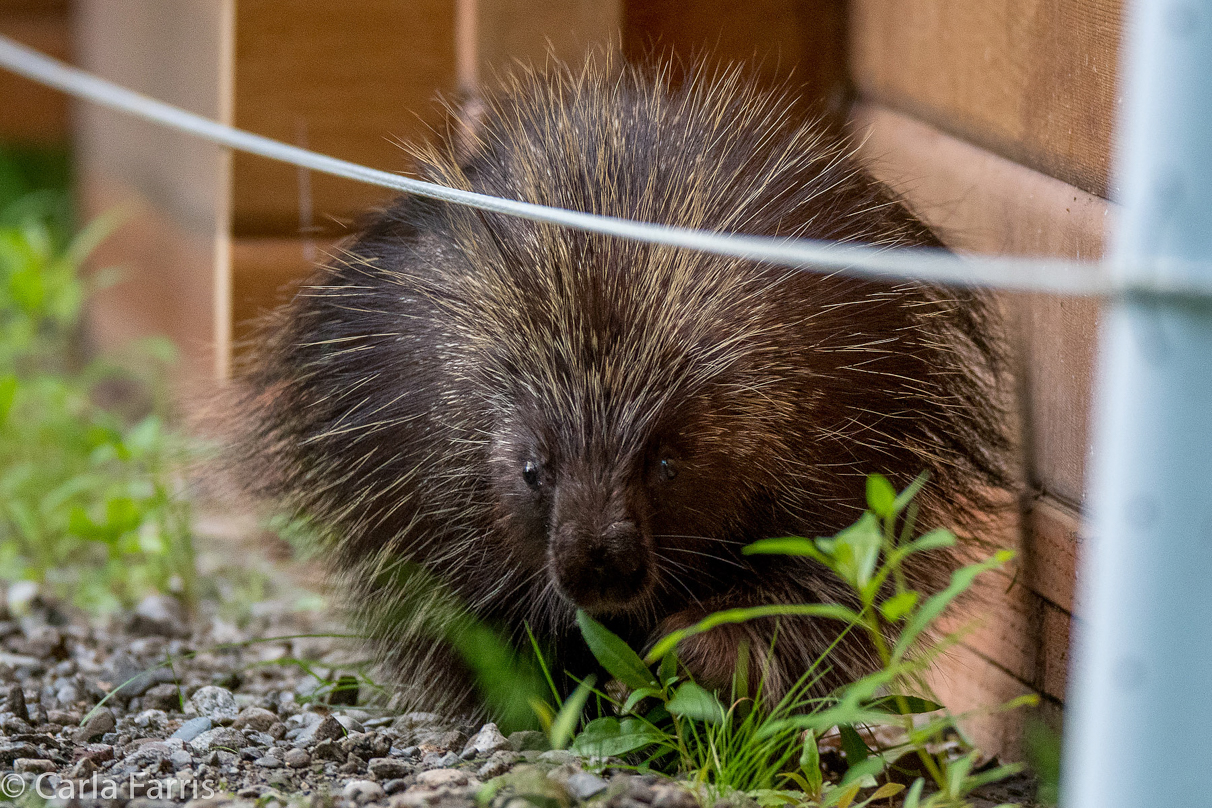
(600, 570)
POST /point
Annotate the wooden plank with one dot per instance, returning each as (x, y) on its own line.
(265, 273)
(34, 113)
(967, 682)
(983, 203)
(1050, 553)
(171, 186)
(1032, 80)
(1024, 634)
(798, 42)
(349, 79)
(508, 32)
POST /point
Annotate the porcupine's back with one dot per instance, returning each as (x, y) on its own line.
(391, 394)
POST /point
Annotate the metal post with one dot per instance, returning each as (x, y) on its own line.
(1140, 714)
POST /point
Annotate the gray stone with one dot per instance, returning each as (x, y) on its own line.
(33, 766)
(255, 718)
(159, 615)
(560, 757)
(443, 778)
(128, 678)
(297, 758)
(216, 703)
(151, 719)
(498, 763)
(328, 729)
(224, 737)
(15, 702)
(268, 762)
(435, 760)
(193, 728)
(583, 785)
(363, 791)
(328, 750)
(528, 739)
(672, 796)
(180, 759)
(389, 768)
(101, 722)
(488, 740)
(165, 696)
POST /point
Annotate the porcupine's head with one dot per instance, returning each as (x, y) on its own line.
(552, 419)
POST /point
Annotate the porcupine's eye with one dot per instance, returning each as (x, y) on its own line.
(530, 473)
(668, 469)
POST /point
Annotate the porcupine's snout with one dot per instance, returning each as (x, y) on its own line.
(599, 554)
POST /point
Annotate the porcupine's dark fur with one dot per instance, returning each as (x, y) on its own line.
(401, 395)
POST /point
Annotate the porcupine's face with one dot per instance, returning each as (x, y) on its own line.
(587, 510)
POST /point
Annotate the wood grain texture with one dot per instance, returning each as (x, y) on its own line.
(970, 683)
(34, 113)
(349, 79)
(509, 32)
(265, 273)
(171, 186)
(1032, 80)
(801, 42)
(982, 203)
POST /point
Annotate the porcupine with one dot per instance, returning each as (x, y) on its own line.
(551, 420)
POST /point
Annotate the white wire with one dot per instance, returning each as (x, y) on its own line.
(916, 264)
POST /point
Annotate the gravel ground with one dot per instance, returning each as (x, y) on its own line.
(241, 719)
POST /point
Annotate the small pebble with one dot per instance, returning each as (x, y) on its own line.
(363, 791)
(216, 703)
(193, 728)
(268, 762)
(583, 785)
(33, 766)
(297, 758)
(255, 718)
(101, 722)
(389, 768)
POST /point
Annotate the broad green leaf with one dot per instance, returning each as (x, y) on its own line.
(841, 796)
(897, 606)
(607, 737)
(566, 720)
(810, 764)
(639, 695)
(693, 701)
(881, 496)
(615, 655)
(668, 671)
(855, 550)
(853, 745)
(886, 791)
(831, 611)
(961, 580)
(864, 772)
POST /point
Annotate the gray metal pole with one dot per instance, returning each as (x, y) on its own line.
(1139, 731)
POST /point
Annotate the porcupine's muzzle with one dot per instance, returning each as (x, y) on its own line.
(601, 570)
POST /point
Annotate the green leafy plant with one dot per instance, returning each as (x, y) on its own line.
(668, 721)
(89, 494)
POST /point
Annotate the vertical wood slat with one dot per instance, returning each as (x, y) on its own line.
(33, 113)
(983, 203)
(170, 185)
(1031, 80)
(798, 44)
(349, 79)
